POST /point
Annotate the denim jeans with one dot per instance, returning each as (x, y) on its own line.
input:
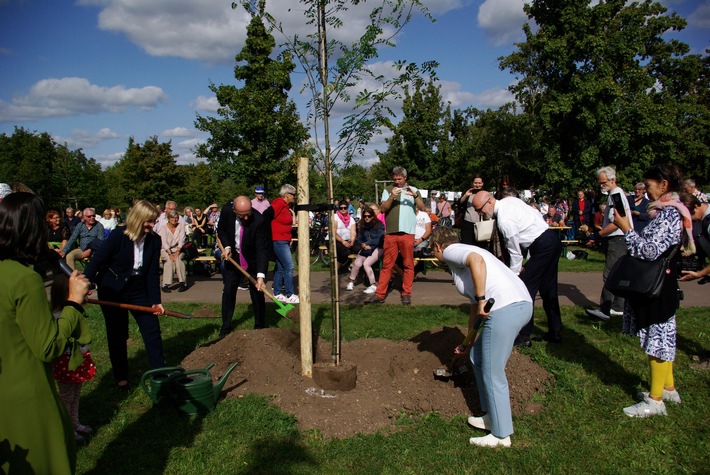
(283, 274)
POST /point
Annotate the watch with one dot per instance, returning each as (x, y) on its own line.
(480, 298)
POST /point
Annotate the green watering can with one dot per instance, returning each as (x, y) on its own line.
(155, 382)
(193, 391)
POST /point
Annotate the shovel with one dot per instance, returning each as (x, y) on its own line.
(281, 308)
(140, 308)
(453, 370)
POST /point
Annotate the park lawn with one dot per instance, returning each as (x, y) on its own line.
(581, 429)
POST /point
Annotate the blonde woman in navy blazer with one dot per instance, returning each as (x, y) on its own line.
(126, 269)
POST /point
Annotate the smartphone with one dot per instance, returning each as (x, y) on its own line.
(618, 203)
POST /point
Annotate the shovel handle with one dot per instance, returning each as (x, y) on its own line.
(243, 271)
(138, 308)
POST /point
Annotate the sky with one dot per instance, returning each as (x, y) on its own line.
(93, 73)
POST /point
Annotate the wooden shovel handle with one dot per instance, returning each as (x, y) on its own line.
(243, 271)
(138, 308)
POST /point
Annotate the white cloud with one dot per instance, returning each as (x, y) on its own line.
(502, 20)
(86, 139)
(178, 132)
(204, 103)
(73, 96)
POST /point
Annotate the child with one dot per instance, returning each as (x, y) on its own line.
(69, 382)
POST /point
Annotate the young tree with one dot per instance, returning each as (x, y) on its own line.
(259, 125)
(596, 79)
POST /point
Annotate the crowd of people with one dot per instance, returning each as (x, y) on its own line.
(508, 264)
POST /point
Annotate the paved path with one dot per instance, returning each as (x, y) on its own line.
(434, 288)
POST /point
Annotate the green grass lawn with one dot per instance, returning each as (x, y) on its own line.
(581, 429)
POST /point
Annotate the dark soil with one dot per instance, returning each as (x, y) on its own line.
(393, 378)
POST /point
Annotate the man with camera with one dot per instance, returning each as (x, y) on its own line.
(613, 237)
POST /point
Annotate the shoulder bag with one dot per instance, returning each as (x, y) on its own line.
(632, 277)
(483, 230)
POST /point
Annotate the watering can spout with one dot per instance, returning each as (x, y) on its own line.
(220, 383)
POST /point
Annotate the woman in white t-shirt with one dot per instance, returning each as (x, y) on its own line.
(480, 276)
(345, 233)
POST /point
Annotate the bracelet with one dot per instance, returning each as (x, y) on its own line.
(480, 298)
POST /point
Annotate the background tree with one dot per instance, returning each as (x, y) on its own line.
(80, 178)
(259, 125)
(200, 187)
(597, 80)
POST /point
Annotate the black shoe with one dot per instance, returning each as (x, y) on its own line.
(183, 287)
(166, 289)
(522, 340)
(551, 337)
(223, 333)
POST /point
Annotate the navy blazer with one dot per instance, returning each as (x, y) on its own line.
(254, 243)
(112, 264)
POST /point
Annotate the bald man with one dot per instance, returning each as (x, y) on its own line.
(242, 232)
(524, 229)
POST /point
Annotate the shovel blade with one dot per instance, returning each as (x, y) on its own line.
(281, 308)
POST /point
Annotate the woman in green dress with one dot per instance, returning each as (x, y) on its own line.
(36, 434)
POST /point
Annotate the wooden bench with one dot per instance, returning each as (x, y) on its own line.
(566, 243)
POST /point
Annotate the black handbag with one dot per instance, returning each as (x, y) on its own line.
(631, 277)
(190, 250)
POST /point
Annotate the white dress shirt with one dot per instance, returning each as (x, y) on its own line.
(520, 225)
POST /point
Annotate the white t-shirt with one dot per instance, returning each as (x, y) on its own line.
(342, 230)
(422, 219)
(501, 283)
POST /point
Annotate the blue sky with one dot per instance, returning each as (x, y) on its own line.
(93, 73)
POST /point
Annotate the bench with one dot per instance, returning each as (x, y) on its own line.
(566, 243)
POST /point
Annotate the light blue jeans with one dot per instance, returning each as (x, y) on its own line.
(489, 356)
(283, 273)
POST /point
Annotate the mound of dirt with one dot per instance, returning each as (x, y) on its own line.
(392, 378)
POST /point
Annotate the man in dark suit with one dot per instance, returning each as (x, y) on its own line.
(581, 212)
(242, 233)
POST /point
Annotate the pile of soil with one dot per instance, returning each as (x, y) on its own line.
(392, 378)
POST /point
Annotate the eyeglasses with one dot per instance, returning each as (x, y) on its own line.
(603, 183)
(478, 210)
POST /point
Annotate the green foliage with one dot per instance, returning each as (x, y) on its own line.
(258, 125)
(605, 88)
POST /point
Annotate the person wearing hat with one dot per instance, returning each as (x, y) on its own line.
(260, 203)
(4, 190)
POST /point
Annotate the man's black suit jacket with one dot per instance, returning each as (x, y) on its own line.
(254, 243)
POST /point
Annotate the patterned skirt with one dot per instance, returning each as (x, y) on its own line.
(657, 340)
(83, 373)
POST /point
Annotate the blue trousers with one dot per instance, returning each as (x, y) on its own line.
(489, 357)
(283, 273)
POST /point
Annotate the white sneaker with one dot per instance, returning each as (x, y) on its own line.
(614, 313)
(280, 297)
(596, 312)
(483, 422)
(371, 289)
(292, 299)
(350, 286)
(490, 440)
(646, 408)
(671, 396)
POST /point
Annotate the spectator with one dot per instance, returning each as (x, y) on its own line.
(581, 212)
(638, 210)
(212, 218)
(133, 257)
(467, 211)
(370, 234)
(599, 217)
(443, 211)
(241, 231)
(433, 218)
(89, 233)
(653, 319)
(4, 190)
(360, 209)
(524, 230)
(422, 231)
(172, 236)
(690, 188)
(281, 232)
(70, 219)
(58, 232)
(107, 221)
(399, 203)
(433, 199)
(378, 213)
(351, 207)
(553, 218)
(36, 433)
(700, 213)
(189, 220)
(345, 233)
(259, 202)
(163, 218)
(479, 276)
(198, 227)
(609, 304)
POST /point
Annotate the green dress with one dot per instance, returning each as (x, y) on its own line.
(36, 434)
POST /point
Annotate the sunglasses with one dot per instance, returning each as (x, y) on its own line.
(367, 216)
(89, 215)
(343, 207)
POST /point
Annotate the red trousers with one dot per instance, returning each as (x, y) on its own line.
(397, 243)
